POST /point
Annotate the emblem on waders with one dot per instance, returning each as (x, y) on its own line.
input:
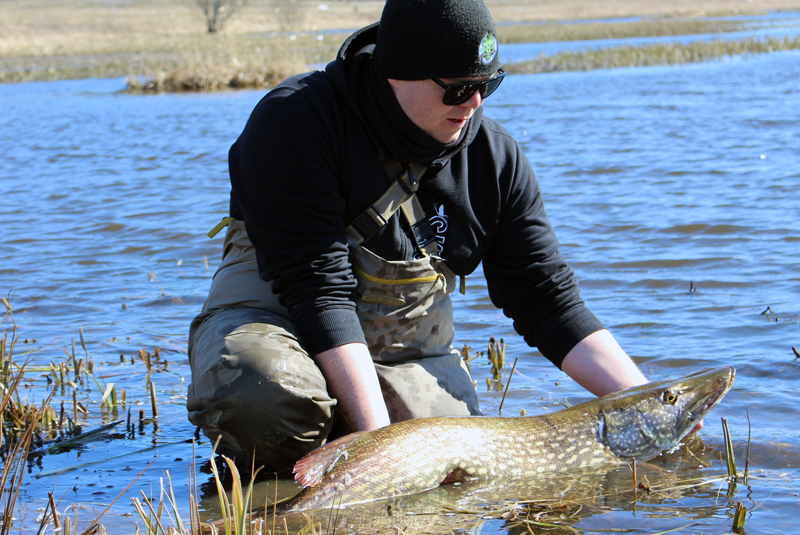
(383, 300)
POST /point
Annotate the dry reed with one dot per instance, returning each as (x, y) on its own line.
(36, 429)
(164, 46)
(557, 32)
(652, 55)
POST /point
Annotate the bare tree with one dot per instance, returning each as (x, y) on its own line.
(218, 12)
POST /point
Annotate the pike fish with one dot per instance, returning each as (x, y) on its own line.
(418, 455)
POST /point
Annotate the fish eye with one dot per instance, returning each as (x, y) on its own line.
(670, 397)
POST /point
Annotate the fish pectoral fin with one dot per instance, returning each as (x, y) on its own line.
(309, 470)
(649, 466)
(454, 476)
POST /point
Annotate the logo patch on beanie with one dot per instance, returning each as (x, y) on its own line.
(487, 49)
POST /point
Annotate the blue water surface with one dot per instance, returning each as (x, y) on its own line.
(673, 191)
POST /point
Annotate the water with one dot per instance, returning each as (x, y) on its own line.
(656, 179)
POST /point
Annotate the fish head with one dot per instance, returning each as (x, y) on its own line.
(641, 422)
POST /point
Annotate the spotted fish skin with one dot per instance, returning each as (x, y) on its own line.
(417, 455)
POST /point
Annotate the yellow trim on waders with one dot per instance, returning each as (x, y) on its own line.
(427, 278)
(221, 225)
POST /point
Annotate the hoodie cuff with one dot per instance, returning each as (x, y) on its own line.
(560, 341)
(330, 328)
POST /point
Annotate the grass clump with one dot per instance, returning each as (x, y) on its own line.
(32, 430)
(146, 38)
(652, 55)
(258, 64)
(552, 32)
(237, 517)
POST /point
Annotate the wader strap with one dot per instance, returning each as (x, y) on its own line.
(423, 232)
(401, 194)
(221, 225)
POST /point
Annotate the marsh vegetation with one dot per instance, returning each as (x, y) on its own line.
(653, 54)
(165, 46)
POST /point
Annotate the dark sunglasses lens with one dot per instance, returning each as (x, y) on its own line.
(491, 85)
(456, 94)
(460, 93)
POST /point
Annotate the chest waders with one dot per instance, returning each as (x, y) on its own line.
(404, 306)
(254, 384)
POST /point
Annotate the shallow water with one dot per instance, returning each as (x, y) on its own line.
(657, 180)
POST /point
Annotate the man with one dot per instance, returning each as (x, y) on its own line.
(356, 314)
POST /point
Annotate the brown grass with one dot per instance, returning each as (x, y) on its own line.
(34, 429)
(61, 27)
(160, 39)
(585, 31)
(653, 54)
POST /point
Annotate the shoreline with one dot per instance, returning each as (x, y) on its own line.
(164, 46)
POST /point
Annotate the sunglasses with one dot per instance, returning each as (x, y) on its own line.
(455, 94)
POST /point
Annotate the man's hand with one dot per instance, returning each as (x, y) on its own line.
(697, 427)
(352, 380)
(600, 365)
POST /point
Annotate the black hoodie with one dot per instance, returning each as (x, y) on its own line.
(306, 165)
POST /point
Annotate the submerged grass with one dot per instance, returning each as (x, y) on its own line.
(557, 514)
(14, 470)
(730, 461)
(31, 430)
(740, 511)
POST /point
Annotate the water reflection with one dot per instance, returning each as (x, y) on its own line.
(684, 488)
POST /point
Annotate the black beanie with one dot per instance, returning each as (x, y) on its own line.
(420, 39)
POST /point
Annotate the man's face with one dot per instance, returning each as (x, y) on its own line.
(422, 102)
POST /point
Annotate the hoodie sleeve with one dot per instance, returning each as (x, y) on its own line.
(283, 176)
(527, 276)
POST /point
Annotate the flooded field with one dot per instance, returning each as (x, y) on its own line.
(673, 191)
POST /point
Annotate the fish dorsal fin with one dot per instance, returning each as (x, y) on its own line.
(309, 470)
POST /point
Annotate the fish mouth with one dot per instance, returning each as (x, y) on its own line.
(703, 406)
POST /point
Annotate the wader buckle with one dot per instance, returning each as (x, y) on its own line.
(401, 194)
(423, 233)
(408, 181)
(368, 223)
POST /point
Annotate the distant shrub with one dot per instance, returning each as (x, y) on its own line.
(218, 12)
